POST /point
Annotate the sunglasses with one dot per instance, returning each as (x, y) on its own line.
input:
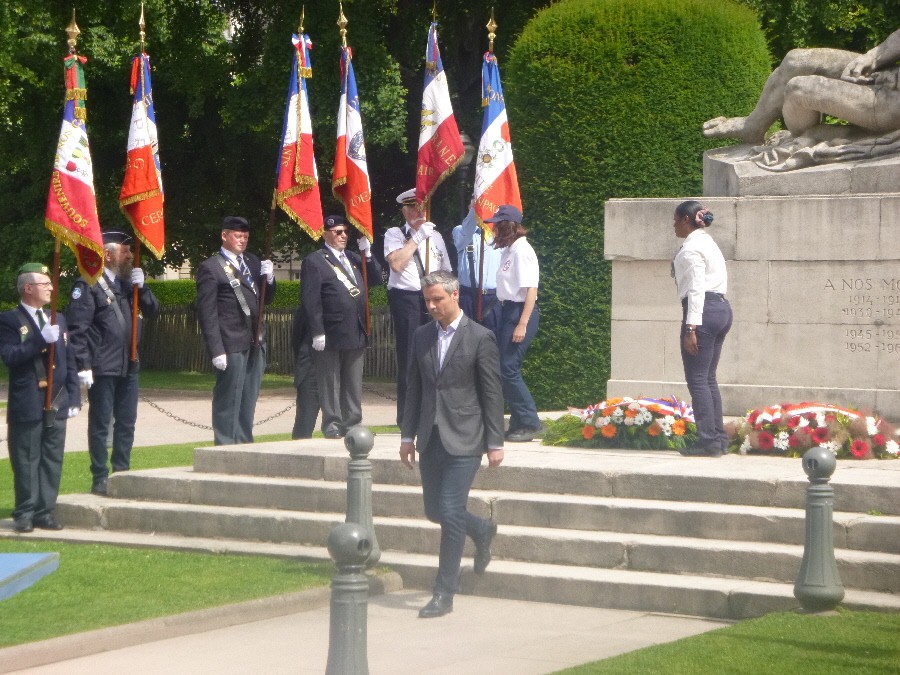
(338, 233)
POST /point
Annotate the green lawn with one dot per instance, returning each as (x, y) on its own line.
(191, 381)
(788, 643)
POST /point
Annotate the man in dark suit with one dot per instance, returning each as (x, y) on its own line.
(454, 411)
(100, 323)
(307, 406)
(228, 286)
(333, 299)
(36, 438)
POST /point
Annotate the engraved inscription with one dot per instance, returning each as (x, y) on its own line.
(873, 302)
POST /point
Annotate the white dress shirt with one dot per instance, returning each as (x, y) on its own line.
(408, 279)
(699, 268)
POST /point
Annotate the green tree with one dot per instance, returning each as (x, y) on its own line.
(606, 99)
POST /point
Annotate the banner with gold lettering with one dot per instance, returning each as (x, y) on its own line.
(141, 199)
(71, 213)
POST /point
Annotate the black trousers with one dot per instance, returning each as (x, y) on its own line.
(307, 393)
(490, 307)
(112, 398)
(407, 313)
(36, 456)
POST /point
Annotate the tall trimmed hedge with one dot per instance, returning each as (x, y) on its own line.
(606, 99)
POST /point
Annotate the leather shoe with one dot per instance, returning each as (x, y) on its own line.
(522, 435)
(100, 487)
(48, 522)
(333, 434)
(483, 548)
(23, 525)
(439, 605)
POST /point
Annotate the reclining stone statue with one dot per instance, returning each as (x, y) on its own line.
(862, 89)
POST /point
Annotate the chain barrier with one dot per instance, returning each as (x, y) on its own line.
(206, 427)
(379, 393)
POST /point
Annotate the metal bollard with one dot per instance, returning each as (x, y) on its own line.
(349, 547)
(359, 442)
(818, 586)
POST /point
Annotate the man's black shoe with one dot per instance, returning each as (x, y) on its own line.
(439, 605)
(48, 522)
(23, 525)
(483, 548)
(701, 451)
(333, 434)
(523, 435)
(100, 487)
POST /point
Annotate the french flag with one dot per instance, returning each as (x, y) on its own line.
(440, 146)
(71, 213)
(296, 177)
(141, 198)
(496, 182)
(350, 181)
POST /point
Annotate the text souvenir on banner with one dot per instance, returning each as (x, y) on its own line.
(440, 146)
(141, 199)
(71, 213)
(496, 182)
(296, 177)
(350, 181)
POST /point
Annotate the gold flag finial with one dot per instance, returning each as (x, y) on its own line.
(492, 31)
(302, 19)
(142, 25)
(73, 31)
(342, 24)
(434, 12)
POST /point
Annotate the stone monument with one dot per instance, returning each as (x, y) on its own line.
(813, 255)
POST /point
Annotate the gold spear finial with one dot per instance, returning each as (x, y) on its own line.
(342, 24)
(142, 25)
(73, 31)
(302, 19)
(434, 12)
(492, 31)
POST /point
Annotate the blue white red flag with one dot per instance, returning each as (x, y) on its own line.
(71, 213)
(296, 177)
(496, 182)
(141, 198)
(440, 146)
(350, 180)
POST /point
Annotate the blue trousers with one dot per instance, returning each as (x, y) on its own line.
(235, 394)
(522, 410)
(490, 307)
(446, 480)
(700, 372)
(112, 398)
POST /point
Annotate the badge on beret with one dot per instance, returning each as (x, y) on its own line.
(76, 292)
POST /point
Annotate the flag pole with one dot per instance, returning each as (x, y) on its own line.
(492, 33)
(342, 26)
(137, 241)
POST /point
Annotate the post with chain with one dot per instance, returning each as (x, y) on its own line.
(818, 586)
(359, 442)
(349, 547)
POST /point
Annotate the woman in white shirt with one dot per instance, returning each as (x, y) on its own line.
(517, 284)
(702, 281)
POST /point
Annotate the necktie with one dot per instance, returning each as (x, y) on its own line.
(245, 272)
(41, 321)
(346, 264)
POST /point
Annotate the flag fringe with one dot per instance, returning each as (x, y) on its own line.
(73, 241)
(128, 201)
(316, 235)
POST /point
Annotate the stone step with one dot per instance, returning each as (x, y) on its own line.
(660, 475)
(640, 516)
(698, 595)
(601, 549)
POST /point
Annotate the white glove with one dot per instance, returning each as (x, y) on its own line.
(319, 343)
(137, 277)
(266, 267)
(364, 245)
(86, 378)
(220, 362)
(50, 333)
(74, 411)
(425, 230)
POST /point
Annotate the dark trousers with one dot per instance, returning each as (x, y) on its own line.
(490, 307)
(307, 394)
(112, 398)
(522, 410)
(446, 480)
(235, 394)
(700, 372)
(36, 457)
(339, 374)
(407, 313)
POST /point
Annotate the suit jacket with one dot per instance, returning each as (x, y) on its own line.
(464, 400)
(225, 327)
(328, 307)
(99, 340)
(19, 345)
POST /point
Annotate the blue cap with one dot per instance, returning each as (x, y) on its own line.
(506, 212)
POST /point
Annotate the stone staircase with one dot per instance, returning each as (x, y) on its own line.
(648, 531)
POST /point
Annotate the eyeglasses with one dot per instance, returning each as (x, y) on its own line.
(338, 233)
(42, 284)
